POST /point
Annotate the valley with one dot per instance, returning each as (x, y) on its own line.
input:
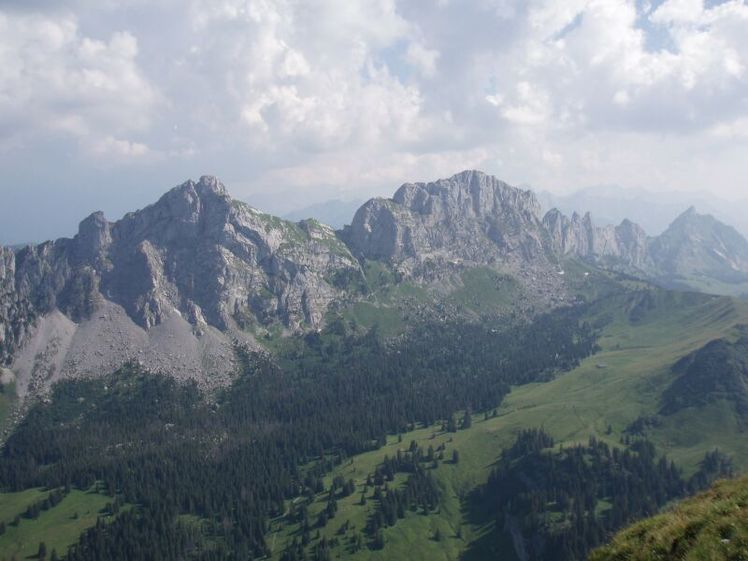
(600, 397)
(240, 386)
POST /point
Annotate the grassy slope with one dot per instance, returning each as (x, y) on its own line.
(614, 387)
(636, 357)
(713, 525)
(708, 285)
(636, 361)
(59, 527)
(16, 503)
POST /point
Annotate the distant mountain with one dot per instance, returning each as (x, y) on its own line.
(471, 219)
(653, 211)
(178, 284)
(335, 212)
(474, 219)
(625, 244)
(699, 247)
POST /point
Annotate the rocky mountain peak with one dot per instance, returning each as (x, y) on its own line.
(469, 193)
(211, 184)
(94, 237)
(194, 270)
(699, 244)
(470, 217)
(579, 236)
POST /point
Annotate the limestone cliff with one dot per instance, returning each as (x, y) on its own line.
(196, 254)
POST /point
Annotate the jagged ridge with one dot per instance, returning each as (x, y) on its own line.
(197, 266)
(194, 255)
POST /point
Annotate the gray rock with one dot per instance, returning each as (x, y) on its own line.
(176, 284)
(470, 218)
(626, 244)
(700, 245)
(196, 251)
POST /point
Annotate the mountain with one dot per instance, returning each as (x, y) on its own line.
(695, 252)
(654, 211)
(179, 284)
(335, 212)
(171, 285)
(625, 244)
(700, 245)
(454, 375)
(427, 231)
(710, 526)
(470, 217)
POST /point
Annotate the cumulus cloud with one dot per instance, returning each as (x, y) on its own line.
(53, 79)
(364, 94)
(422, 58)
(308, 76)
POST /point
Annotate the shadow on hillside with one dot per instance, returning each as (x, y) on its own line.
(488, 544)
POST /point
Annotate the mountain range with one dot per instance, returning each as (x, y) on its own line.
(652, 210)
(178, 284)
(455, 374)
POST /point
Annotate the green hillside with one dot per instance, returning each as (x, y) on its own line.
(308, 424)
(712, 525)
(58, 527)
(643, 335)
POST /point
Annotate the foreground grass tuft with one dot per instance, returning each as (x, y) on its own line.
(712, 525)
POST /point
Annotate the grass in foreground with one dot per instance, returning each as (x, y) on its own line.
(712, 525)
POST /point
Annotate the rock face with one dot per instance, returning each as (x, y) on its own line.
(474, 218)
(625, 244)
(177, 283)
(195, 253)
(430, 232)
(700, 245)
(471, 217)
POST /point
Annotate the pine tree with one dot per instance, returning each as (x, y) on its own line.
(467, 420)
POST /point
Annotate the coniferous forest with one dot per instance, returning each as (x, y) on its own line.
(559, 503)
(236, 459)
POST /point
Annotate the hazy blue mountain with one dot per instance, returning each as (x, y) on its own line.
(699, 245)
(335, 212)
(653, 211)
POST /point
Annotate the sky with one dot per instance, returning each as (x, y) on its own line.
(105, 105)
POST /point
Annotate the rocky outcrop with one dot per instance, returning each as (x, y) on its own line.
(196, 253)
(176, 284)
(700, 245)
(625, 244)
(471, 218)
(432, 232)
(200, 252)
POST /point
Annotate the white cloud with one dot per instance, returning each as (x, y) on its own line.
(422, 58)
(678, 11)
(309, 75)
(53, 79)
(119, 148)
(531, 108)
(365, 94)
